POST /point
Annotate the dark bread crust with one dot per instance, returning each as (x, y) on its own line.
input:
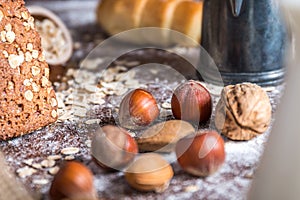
(27, 99)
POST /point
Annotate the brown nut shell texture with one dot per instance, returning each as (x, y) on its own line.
(149, 172)
(243, 112)
(163, 136)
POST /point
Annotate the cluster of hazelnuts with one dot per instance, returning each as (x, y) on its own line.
(199, 154)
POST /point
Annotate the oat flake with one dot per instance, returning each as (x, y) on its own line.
(40, 181)
(70, 150)
(25, 171)
(54, 157)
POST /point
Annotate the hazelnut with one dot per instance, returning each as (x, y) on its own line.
(73, 181)
(149, 172)
(138, 109)
(201, 155)
(243, 111)
(191, 102)
(113, 148)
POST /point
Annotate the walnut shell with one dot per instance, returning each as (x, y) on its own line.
(243, 112)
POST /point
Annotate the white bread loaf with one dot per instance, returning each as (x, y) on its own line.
(184, 16)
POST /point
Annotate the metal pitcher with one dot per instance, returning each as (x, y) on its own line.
(246, 40)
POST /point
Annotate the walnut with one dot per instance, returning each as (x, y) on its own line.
(243, 112)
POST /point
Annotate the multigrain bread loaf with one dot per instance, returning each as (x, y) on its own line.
(184, 16)
(27, 99)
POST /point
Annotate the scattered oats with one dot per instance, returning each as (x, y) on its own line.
(60, 103)
(35, 87)
(108, 92)
(5, 53)
(121, 91)
(48, 163)
(30, 47)
(70, 150)
(40, 181)
(35, 54)
(70, 96)
(97, 101)
(11, 85)
(121, 76)
(98, 95)
(132, 63)
(28, 95)
(192, 188)
(91, 88)
(35, 70)
(25, 171)
(54, 113)
(3, 36)
(66, 116)
(78, 104)
(10, 36)
(108, 78)
(166, 105)
(15, 60)
(28, 161)
(54, 157)
(28, 57)
(27, 82)
(24, 15)
(80, 112)
(1, 15)
(8, 27)
(44, 81)
(112, 85)
(69, 158)
(91, 63)
(92, 121)
(53, 170)
(132, 83)
(37, 165)
(88, 143)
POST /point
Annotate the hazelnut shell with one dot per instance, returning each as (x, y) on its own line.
(191, 102)
(113, 148)
(73, 181)
(138, 109)
(149, 172)
(201, 155)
